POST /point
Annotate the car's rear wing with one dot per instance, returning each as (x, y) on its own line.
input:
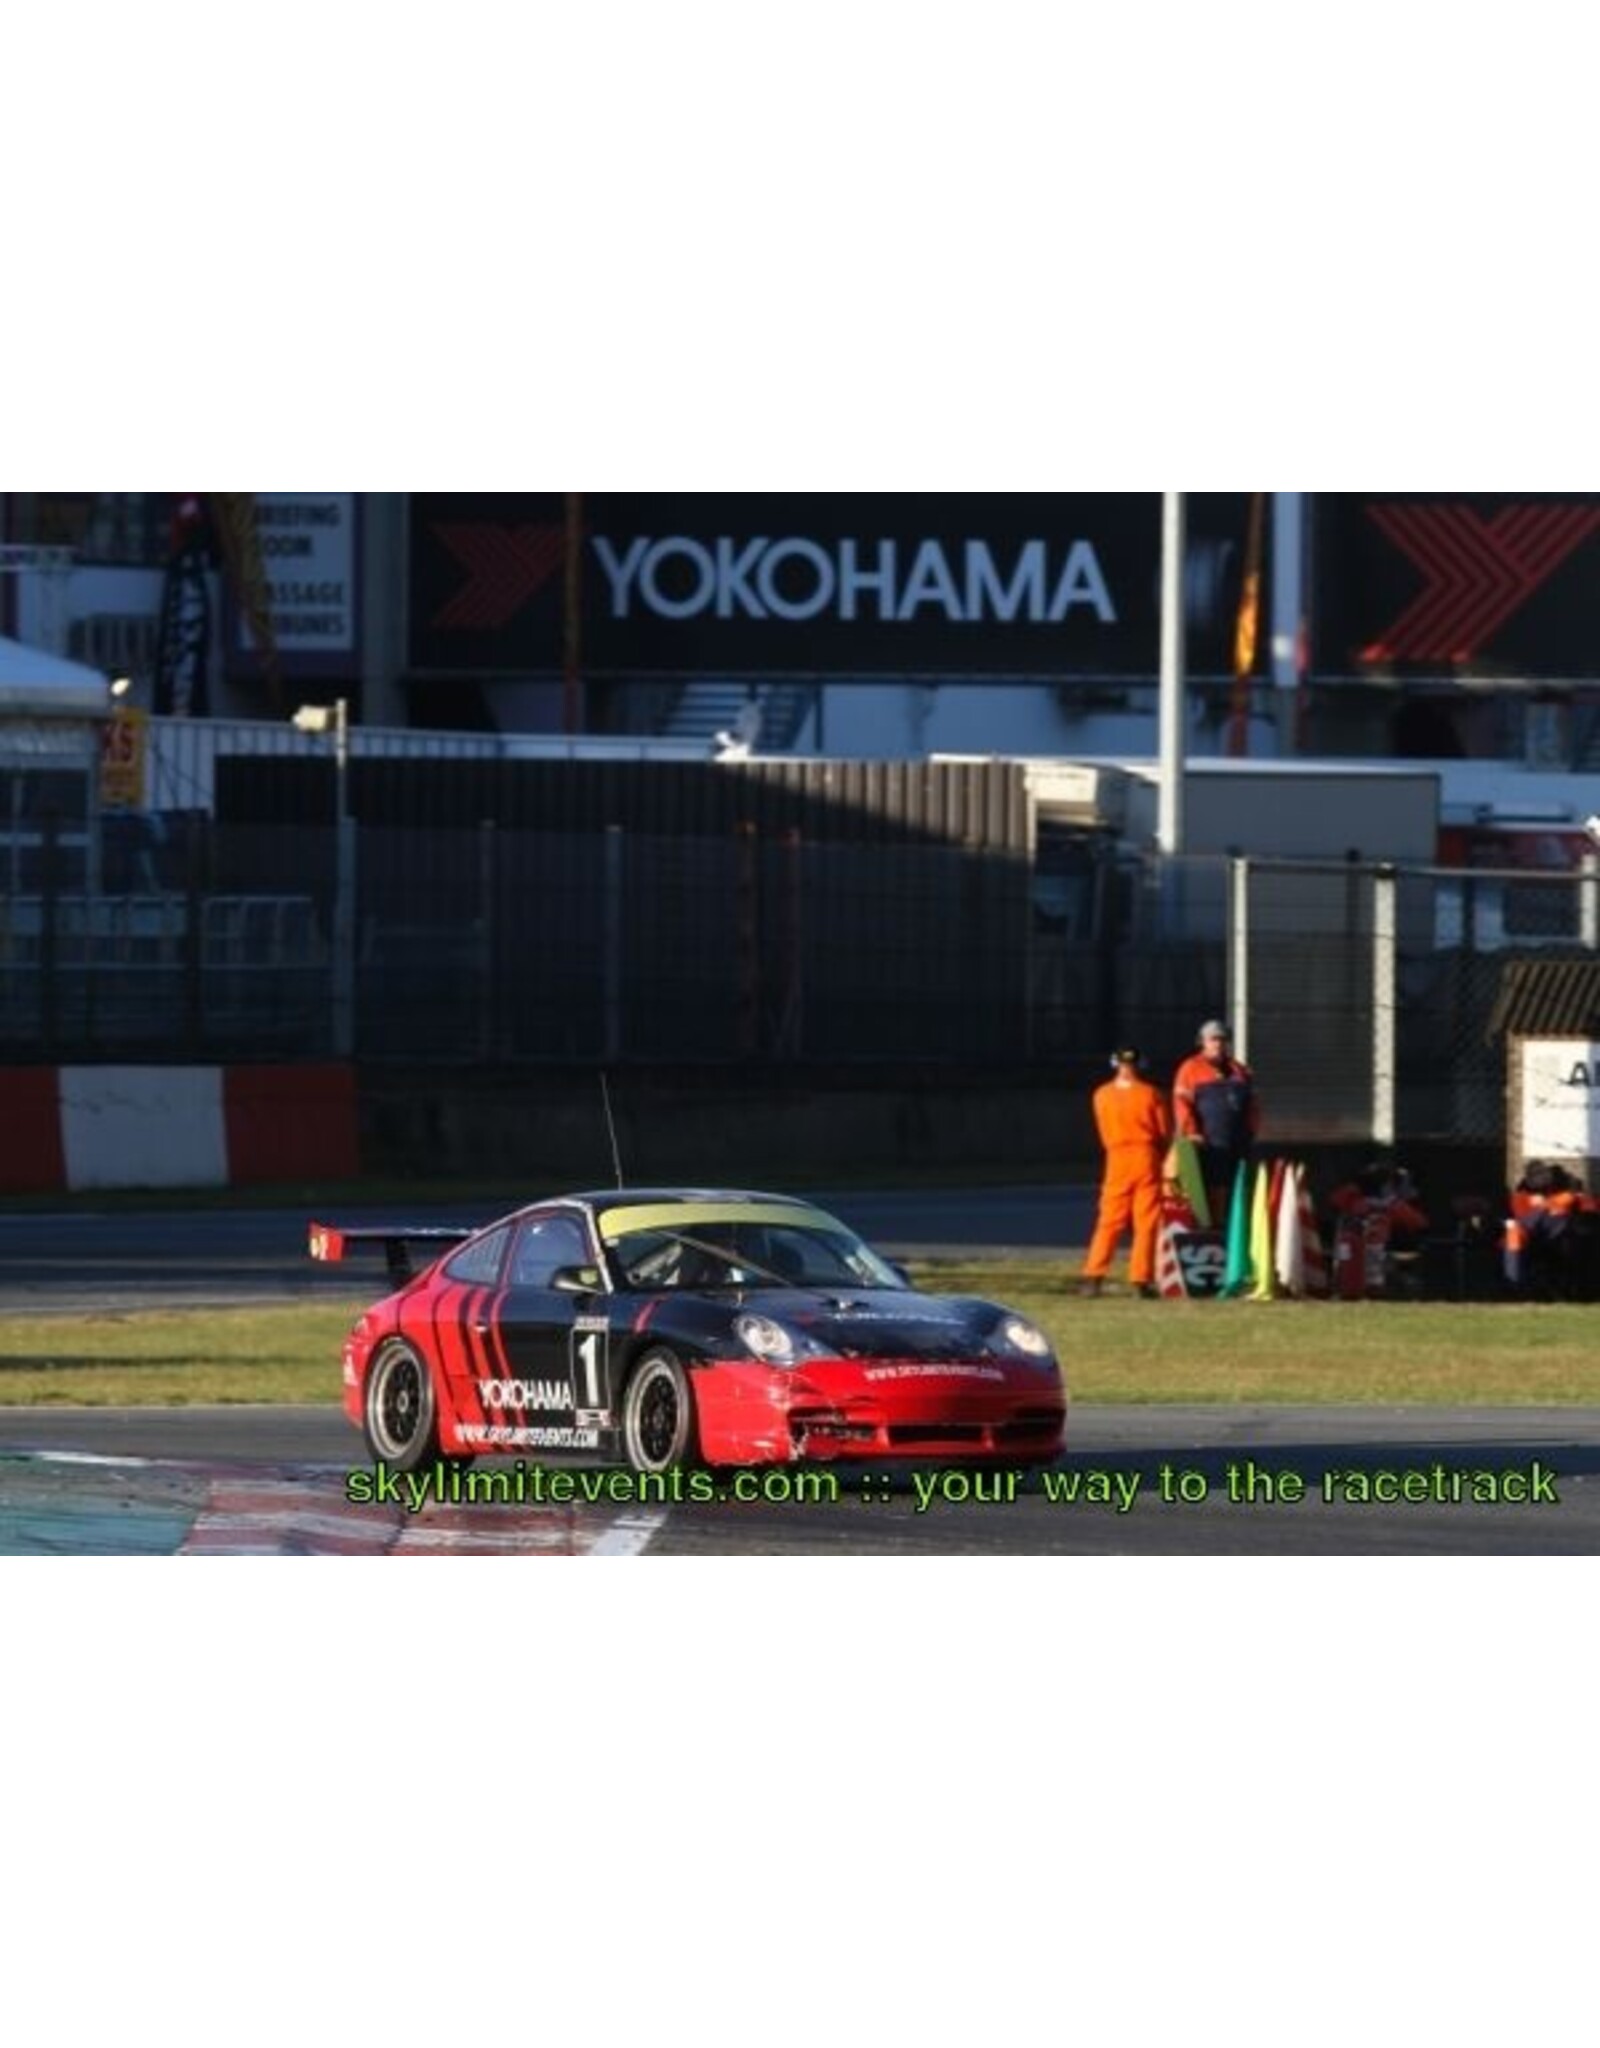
(332, 1242)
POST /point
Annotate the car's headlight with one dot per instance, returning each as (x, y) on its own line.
(765, 1339)
(1022, 1336)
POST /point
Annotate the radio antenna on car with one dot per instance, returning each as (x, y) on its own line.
(611, 1126)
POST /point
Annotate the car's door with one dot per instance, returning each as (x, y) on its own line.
(552, 1341)
(455, 1318)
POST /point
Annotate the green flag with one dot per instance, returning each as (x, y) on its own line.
(1236, 1274)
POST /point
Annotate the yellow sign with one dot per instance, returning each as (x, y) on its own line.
(122, 759)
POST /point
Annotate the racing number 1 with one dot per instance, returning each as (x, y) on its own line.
(586, 1351)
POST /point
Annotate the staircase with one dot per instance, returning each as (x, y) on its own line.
(785, 708)
(705, 709)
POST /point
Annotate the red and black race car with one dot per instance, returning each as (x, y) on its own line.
(661, 1327)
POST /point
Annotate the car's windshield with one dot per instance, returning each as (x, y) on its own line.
(739, 1253)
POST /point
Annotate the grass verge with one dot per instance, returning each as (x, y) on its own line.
(1456, 1354)
(1115, 1349)
(175, 1358)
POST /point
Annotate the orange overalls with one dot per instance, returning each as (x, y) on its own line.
(1135, 1128)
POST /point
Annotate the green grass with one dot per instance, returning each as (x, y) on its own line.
(1115, 1349)
(175, 1358)
(1456, 1354)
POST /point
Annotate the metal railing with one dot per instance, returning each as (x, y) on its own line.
(182, 753)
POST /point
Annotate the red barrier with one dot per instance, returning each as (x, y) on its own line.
(31, 1155)
(290, 1123)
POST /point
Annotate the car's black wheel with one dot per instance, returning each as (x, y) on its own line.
(658, 1421)
(400, 1410)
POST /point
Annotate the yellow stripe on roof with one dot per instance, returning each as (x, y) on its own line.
(617, 1223)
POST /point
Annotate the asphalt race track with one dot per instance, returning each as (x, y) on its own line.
(1156, 1481)
(273, 1480)
(171, 1258)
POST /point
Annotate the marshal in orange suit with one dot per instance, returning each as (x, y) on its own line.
(1135, 1127)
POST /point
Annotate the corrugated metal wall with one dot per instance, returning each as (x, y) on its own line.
(980, 804)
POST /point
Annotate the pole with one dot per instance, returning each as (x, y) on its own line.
(1289, 509)
(1239, 953)
(344, 891)
(1385, 939)
(1169, 819)
(341, 753)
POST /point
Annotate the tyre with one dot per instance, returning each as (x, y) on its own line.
(399, 1410)
(658, 1423)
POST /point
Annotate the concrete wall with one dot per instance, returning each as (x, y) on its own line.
(548, 1131)
(690, 1127)
(168, 1127)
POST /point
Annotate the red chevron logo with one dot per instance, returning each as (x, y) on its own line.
(505, 566)
(1476, 572)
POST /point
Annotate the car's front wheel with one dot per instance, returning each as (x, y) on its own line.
(658, 1420)
(400, 1410)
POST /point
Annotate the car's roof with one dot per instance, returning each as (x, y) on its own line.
(629, 1198)
(616, 1211)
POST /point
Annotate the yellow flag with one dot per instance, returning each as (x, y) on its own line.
(1246, 630)
(1183, 1166)
(1248, 626)
(1261, 1237)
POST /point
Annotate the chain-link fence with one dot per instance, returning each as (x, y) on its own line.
(1367, 999)
(1364, 997)
(492, 944)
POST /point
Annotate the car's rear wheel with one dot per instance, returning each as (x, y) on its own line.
(400, 1409)
(658, 1419)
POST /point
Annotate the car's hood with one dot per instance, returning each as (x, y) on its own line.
(871, 1323)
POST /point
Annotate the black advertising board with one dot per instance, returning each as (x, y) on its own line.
(850, 585)
(1433, 584)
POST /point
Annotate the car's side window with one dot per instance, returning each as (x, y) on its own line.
(479, 1261)
(544, 1245)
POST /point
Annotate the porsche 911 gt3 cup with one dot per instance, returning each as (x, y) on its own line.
(663, 1327)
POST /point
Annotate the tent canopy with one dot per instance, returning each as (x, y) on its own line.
(34, 684)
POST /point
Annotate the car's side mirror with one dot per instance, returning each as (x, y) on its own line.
(576, 1279)
(904, 1272)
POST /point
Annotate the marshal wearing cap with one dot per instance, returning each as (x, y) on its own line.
(1134, 1126)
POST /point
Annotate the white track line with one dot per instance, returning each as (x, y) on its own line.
(78, 1458)
(628, 1535)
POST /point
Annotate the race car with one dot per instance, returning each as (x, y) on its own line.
(665, 1327)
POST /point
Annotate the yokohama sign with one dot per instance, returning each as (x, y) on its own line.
(793, 578)
(844, 585)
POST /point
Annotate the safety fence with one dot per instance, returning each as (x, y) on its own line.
(493, 944)
(1371, 1000)
(1365, 997)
